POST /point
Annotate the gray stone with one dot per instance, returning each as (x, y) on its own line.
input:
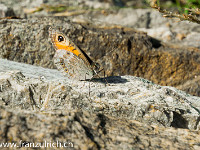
(84, 130)
(103, 119)
(125, 97)
(147, 20)
(6, 11)
(119, 50)
(90, 115)
(152, 22)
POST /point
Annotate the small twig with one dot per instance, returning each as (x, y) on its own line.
(189, 17)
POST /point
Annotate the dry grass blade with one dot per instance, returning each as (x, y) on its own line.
(188, 17)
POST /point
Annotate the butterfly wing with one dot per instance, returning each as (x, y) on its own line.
(72, 66)
(60, 41)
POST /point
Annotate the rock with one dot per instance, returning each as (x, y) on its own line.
(6, 11)
(28, 41)
(125, 97)
(119, 50)
(147, 20)
(27, 9)
(102, 120)
(146, 54)
(90, 115)
(192, 86)
(84, 130)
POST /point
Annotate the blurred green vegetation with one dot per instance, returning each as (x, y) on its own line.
(187, 9)
(181, 5)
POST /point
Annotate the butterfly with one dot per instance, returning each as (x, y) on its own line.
(70, 60)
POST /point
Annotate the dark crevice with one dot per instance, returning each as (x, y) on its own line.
(102, 118)
(118, 3)
(155, 43)
(179, 121)
(31, 97)
(197, 122)
(6, 130)
(5, 102)
(87, 131)
(129, 46)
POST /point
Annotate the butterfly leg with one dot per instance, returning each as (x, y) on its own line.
(97, 74)
(104, 74)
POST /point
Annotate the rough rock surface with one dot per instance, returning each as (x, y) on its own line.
(109, 12)
(119, 50)
(83, 130)
(102, 119)
(124, 97)
(150, 21)
(129, 112)
(28, 8)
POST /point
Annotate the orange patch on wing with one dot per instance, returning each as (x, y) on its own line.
(73, 50)
(68, 48)
(60, 45)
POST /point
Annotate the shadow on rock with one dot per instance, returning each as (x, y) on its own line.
(111, 79)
